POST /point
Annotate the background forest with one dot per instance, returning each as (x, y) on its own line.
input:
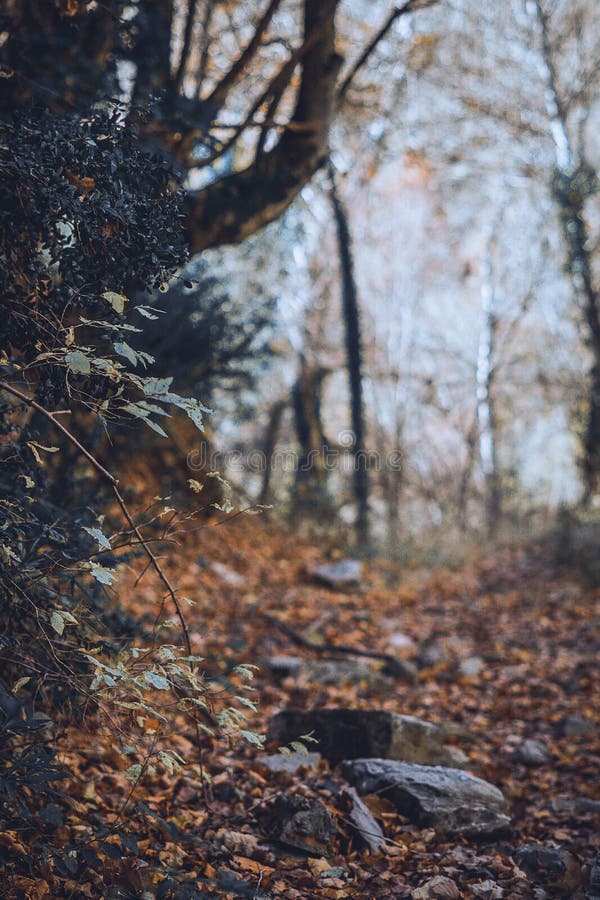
(300, 304)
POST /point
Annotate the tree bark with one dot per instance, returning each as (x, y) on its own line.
(354, 358)
(486, 406)
(574, 182)
(234, 207)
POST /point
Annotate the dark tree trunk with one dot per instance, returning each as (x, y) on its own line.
(570, 193)
(354, 355)
(269, 443)
(311, 480)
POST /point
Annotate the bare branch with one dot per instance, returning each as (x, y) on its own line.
(274, 89)
(114, 483)
(408, 7)
(187, 43)
(220, 93)
(236, 206)
(206, 41)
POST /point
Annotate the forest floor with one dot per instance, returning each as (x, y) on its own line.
(505, 650)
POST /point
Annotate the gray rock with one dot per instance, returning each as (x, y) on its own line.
(285, 666)
(532, 753)
(353, 671)
(575, 805)
(595, 877)
(291, 763)
(487, 890)
(446, 799)
(575, 726)
(400, 641)
(304, 824)
(331, 671)
(550, 866)
(471, 667)
(340, 575)
(229, 576)
(437, 888)
(363, 822)
(356, 733)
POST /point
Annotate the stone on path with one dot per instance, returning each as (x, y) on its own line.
(550, 866)
(449, 800)
(289, 762)
(363, 822)
(340, 575)
(356, 733)
(533, 753)
(229, 576)
(304, 824)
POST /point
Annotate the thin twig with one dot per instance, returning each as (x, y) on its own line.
(108, 476)
(405, 9)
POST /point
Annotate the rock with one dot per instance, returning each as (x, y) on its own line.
(332, 671)
(229, 576)
(575, 726)
(401, 641)
(340, 575)
(438, 888)
(487, 890)
(446, 799)
(282, 762)
(432, 654)
(471, 667)
(595, 878)
(363, 821)
(533, 753)
(336, 671)
(304, 824)
(456, 758)
(356, 733)
(284, 666)
(550, 866)
(575, 805)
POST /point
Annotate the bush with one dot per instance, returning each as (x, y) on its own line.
(86, 219)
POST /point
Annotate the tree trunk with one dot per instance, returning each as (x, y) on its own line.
(311, 476)
(269, 443)
(486, 407)
(574, 182)
(354, 354)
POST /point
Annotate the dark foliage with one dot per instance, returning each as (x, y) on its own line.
(85, 217)
(207, 338)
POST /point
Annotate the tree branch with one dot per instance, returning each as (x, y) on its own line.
(408, 7)
(187, 43)
(238, 205)
(220, 93)
(114, 483)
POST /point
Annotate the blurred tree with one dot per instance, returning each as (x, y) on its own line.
(213, 80)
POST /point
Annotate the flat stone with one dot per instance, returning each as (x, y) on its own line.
(340, 575)
(304, 824)
(449, 800)
(291, 763)
(533, 753)
(363, 822)
(356, 733)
